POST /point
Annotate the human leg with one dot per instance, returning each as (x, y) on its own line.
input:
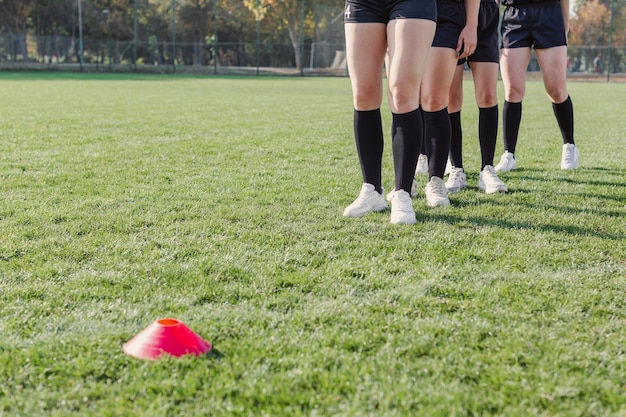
(366, 46)
(551, 47)
(437, 129)
(553, 64)
(409, 45)
(485, 75)
(455, 102)
(513, 65)
(366, 79)
(434, 95)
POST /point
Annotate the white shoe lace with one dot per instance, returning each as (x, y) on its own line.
(402, 204)
(455, 176)
(363, 197)
(489, 175)
(438, 188)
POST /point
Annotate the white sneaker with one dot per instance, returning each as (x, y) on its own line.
(448, 167)
(569, 160)
(457, 180)
(489, 182)
(436, 193)
(402, 208)
(368, 200)
(413, 191)
(507, 163)
(422, 165)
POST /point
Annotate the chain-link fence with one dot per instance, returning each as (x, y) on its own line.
(321, 48)
(228, 44)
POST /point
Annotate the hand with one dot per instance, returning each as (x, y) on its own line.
(466, 44)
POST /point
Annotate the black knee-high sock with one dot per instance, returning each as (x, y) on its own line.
(456, 140)
(423, 144)
(564, 113)
(511, 119)
(437, 133)
(368, 135)
(487, 133)
(406, 133)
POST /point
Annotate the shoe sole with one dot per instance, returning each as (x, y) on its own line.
(496, 191)
(492, 190)
(439, 204)
(507, 169)
(403, 221)
(566, 167)
(374, 210)
(454, 190)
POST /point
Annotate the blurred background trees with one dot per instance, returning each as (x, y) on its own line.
(238, 33)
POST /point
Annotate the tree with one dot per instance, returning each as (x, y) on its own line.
(590, 25)
(286, 14)
(590, 28)
(194, 17)
(53, 23)
(14, 18)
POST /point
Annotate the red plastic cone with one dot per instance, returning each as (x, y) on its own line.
(166, 336)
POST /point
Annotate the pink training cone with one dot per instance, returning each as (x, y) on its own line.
(166, 336)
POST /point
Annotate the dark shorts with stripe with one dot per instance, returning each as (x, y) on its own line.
(450, 23)
(487, 49)
(538, 25)
(383, 11)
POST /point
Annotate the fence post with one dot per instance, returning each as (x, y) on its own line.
(302, 40)
(174, 35)
(608, 66)
(258, 33)
(80, 34)
(214, 36)
(135, 33)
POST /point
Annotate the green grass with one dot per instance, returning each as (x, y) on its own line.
(217, 201)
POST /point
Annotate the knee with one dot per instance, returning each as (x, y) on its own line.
(403, 98)
(557, 94)
(485, 99)
(514, 94)
(455, 102)
(434, 102)
(367, 97)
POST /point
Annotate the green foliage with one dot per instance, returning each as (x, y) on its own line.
(218, 201)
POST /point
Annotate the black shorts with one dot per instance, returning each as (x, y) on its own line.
(450, 23)
(382, 11)
(488, 22)
(537, 25)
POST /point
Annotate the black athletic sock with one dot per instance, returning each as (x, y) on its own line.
(511, 119)
(368, 135)
(437, 133)
(564, 113)
(456, 140)
(423, 143)
(406, 133)
(487, 133)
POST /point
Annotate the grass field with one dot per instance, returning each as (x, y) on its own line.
(217, 201)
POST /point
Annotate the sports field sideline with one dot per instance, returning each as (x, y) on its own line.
(217, 201)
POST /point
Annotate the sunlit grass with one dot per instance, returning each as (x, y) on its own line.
(218, 201)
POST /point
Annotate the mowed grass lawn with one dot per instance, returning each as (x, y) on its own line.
(217, 201)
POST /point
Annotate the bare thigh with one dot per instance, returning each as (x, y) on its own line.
(553, 64)
(485, 75)
(438, 78)
(513, 65)
(366, 45)
(455, 98)
(409, 43)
